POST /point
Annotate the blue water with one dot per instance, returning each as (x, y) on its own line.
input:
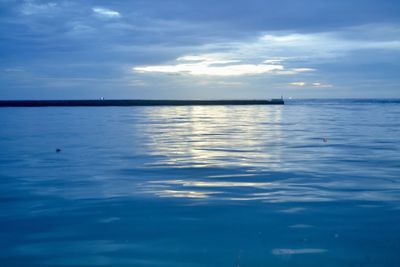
(311, 183)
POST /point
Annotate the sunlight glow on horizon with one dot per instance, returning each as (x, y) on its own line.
(210, 65)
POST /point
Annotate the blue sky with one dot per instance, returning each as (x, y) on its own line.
(170, 49)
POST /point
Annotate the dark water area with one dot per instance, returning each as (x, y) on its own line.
(310, 183)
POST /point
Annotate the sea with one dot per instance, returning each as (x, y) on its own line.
(310, 183)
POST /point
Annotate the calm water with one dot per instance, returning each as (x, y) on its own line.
(201, 186)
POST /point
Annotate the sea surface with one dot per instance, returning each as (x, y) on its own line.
(310, 183)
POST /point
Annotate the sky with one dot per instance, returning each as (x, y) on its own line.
(199, 49)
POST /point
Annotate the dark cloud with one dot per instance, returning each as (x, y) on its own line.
(78, 49)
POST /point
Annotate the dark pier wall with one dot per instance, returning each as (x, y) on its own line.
(102, 103)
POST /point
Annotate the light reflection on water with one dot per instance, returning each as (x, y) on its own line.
(214, 136)
(289, 156)
(201, 186)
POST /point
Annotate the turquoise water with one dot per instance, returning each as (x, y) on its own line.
(311, 183)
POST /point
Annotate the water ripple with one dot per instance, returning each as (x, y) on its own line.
(310, 183)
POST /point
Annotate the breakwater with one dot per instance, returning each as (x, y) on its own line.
(101, 103)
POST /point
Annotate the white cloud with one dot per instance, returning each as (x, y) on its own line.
(31, 7)
(277, 53)
(310, 46)
(303, 70)
(297, 84)
(195, 58)
(220, 65)
(106, 13)
(295, 71)
(322, 85)
(313, 85)
(274, 61)
(211, 66)
(13, 70)
(283, 39)
(79, 29)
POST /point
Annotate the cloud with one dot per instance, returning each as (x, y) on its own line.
(321, 85)
(327, 44)
(207, 65)
(297, 84)
(295, 71)
(216, 83)
(13, 70)
(106, 13)
(278, 45)
(274, 61)
(298, 70)
(31, 7)
(221, 65)
(282, 53)
(313, 85)
(79, 29)
(174, 49)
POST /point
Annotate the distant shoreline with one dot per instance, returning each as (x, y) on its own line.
(109, 103)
